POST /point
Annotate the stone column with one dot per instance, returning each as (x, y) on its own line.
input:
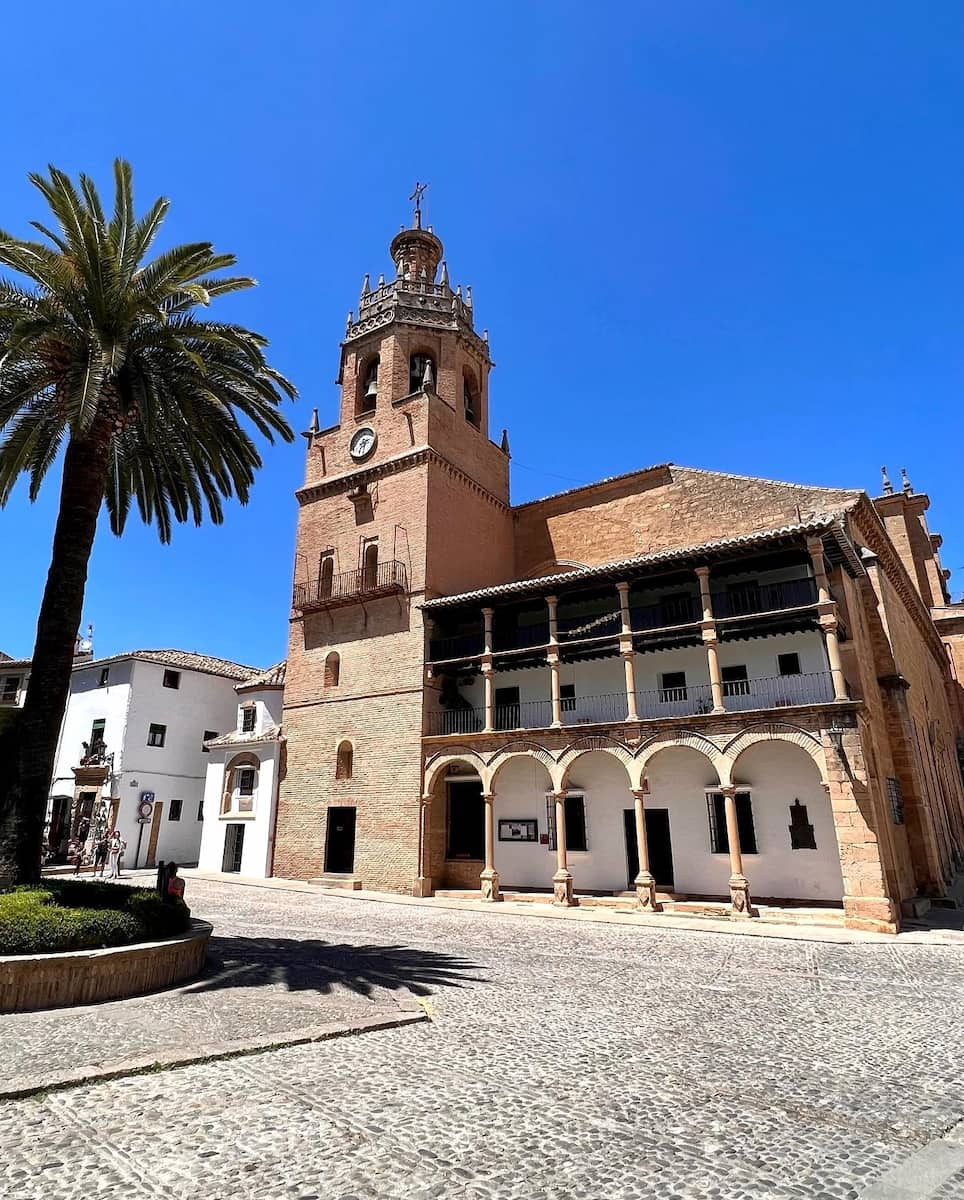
(552, 657)
(626, 651)
(827, 614)
(740, 903)
(488, 683)
(710, 640)
(645, 884)
(490, 877)
(423, 885)
(562, 880)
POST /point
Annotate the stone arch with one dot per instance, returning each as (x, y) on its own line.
(686, 740)
(597, 744)
(332, 669)
(773, 732)
(515, 750)
(439, 763)
(344, 760)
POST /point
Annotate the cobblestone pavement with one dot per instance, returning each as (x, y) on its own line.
(564, 1060)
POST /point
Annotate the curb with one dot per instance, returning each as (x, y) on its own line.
(411, 1013)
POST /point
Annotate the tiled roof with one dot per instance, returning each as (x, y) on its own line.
(9, 663)
(274, 677)
(270, 733)
(186, 660)
(543, 583)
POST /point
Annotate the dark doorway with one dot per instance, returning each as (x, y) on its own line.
(658, 841)
(233, 847)
(340, 842)
(466, 831)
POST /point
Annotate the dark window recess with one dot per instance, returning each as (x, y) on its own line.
(567, 693)
(735, 682)
(174, 812)
(716, 810)
(789, 664)
(246, 781)
(104, 676)
(200, 810)
(208, 734)
(156, 735)
(97, 731)
(673, 686)
(896, 798)
(676, 608)
(576, 823)
(466, 821)
(172, 679)
(344, 760)
(508, 714)
(11, 685)
(742, 598)
(801, 831)
(248, 716)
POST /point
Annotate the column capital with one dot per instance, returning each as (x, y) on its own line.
(640, 793)
(558, 796)
(623, 588)
(552, 599)
(729, 790)
(703, 572)
(487, 611)
(488, 797)
(425, 799)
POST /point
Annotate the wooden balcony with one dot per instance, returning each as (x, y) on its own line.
(351, 587)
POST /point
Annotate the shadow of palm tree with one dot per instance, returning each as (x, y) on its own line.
(310, 965)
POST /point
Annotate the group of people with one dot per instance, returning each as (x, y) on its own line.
(108, 852)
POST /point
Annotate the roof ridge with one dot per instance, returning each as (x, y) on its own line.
(803, 487)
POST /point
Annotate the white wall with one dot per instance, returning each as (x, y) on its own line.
(86, 703)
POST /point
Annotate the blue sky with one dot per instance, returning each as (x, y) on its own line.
(729, 235)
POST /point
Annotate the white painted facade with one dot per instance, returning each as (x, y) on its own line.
(230, 815)
(129, 701)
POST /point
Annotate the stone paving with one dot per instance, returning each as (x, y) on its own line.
(564, 1060)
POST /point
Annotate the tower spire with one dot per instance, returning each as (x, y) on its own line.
(417, 197)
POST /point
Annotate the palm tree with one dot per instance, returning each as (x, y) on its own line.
(103, 355)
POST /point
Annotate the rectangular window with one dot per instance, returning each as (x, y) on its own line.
(246, 781)
(97, 731)
(172, 679)
(156, 735)
(104, 677)
(896, 798)
(174, 812)
(11, 686)
(716, 811)
(735, 682)
(200, 810)
(247, 719)
(567, 694)
(789, 664)
(208, 734)
(576, 823)
(801, 831)
(672, 686)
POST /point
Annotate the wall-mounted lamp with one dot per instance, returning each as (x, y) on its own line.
(836, 734)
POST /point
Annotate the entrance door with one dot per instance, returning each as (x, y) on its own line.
(658, 841)
(340, 842)
(233, 847)
(155, 834)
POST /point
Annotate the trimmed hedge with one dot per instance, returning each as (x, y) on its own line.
(75, 915)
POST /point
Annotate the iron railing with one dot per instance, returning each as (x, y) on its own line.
(348, 586)
(747, 599)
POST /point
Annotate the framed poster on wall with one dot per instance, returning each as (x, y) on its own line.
(519, 831)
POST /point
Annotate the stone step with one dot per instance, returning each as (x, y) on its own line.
(331, 880)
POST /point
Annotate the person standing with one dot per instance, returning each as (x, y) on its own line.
(115, 849)
(100, 855)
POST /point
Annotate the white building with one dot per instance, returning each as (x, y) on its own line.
(13, 681)
(131, 753)
(241, 790)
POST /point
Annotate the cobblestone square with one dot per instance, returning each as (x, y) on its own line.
(563, 1060)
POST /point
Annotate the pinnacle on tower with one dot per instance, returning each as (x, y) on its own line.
(908, 490)
(888, 486)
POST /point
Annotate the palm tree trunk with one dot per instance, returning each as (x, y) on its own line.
(23, 808)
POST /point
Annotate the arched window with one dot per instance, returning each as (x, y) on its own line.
(421, 372)
(240, 784)
(367, 387)
(332, 669)
(327, 573)
(370, 567)
(344, 761)
(470, 400)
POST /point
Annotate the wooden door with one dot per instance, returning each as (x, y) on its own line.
(155, 834)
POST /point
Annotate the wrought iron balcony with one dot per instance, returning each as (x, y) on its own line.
(663, 703)
(351, 587)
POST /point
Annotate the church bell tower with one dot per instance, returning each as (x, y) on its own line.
(405, 498)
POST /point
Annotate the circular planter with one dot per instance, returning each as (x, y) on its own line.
(32, 981)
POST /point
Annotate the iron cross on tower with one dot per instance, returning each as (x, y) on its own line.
(417, 197)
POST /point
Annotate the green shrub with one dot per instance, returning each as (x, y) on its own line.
(159, 919)
(90, 893)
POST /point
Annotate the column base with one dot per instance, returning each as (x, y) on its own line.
(422, 886)
(740, 903)
(646, 893)
(490, 884)
(562, 889)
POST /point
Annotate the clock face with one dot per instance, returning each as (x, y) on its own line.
(362, 443)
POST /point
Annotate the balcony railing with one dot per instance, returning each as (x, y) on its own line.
(463, 645)
(748, 599)
(662, 703)
(347, 587)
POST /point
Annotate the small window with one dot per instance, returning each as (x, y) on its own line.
(672, 686)
(248, 716)
(332, 669)
(567, 693)
(896, 798)
(156, 735)
(470, 400)
(245, 781)
(576, 823)
(719, 839)
(174, 812)
(172, 679)
(801, 831)
(735, 682)
(104, 677)
(10, 688)
(208, 734)
(200, 810)
(789, 664)
(344, 762)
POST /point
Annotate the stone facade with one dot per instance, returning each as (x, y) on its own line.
(547, 655)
